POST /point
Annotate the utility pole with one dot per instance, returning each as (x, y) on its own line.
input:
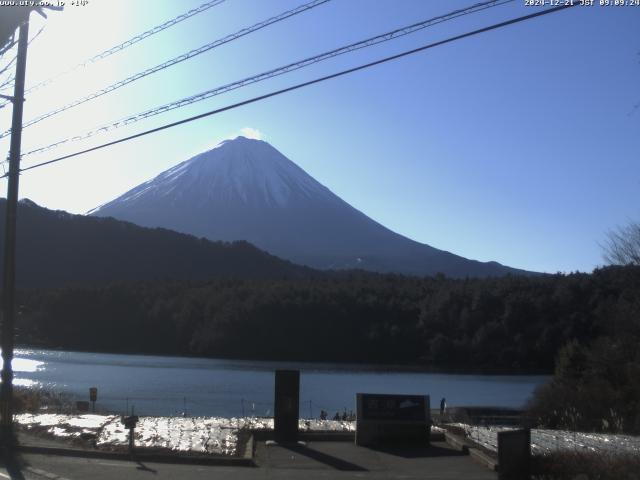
(8, 285)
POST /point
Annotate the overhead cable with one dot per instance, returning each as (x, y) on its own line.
(173, 61)
(385, 37)
(121, 46)
(304, 84)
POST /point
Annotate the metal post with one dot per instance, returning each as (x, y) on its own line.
(8, 286)
(131, 440)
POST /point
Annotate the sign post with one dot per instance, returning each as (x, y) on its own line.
(93, 396)
(130, 423)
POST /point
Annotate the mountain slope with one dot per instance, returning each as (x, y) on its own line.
(56, 248)
(247, 190)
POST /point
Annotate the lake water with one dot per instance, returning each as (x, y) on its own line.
(159, 385)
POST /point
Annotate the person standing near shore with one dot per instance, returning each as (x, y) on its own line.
(443, 406)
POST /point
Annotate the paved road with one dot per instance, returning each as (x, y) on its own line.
(316, 460)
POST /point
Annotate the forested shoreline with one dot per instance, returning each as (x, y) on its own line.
(507, 324)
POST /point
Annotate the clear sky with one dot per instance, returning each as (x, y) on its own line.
(519, 145)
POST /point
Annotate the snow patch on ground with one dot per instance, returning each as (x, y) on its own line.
(208, 435)
(220, 436)
(200, 435)
(61, 420)
(546, 441)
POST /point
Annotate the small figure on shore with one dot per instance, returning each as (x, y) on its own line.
(443, 406)
(344, 415)
(323, 415)
(336, 416)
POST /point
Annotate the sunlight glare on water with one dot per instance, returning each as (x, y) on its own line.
(163, 385)
(24, 382)
(24, 365)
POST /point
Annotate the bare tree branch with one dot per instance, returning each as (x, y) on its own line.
(6, 83)
(7, 46)
(623, 245)
(8, 65)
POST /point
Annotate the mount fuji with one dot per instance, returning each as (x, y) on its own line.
(245, 189)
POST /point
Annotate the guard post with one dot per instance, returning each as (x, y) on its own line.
(287, 408)
(514, 454)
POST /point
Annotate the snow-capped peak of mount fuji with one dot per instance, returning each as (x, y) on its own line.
(245, 189)
(250, 171)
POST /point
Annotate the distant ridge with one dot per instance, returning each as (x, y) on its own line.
(247, 190)
(56, 248)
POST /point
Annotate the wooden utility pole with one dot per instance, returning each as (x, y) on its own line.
(9, 276)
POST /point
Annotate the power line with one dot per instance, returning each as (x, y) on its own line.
(305, 84)
(128, 43)
(173, 61)
(385, 37)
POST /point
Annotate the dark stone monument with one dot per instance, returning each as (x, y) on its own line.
(393, 419)
(514, 454)
(286, 409)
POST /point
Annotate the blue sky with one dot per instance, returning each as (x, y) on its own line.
(520, 145)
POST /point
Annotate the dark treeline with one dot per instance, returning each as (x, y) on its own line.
(55, 248)
(596, 383)
(503, 324)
